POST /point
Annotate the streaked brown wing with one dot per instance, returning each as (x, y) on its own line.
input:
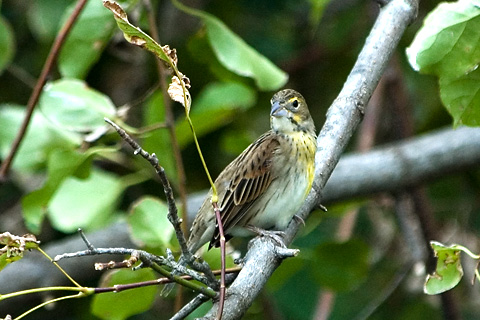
(250, 176)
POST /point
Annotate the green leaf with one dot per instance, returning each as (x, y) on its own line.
(61, 164)
(316, 11)
(201, 311)
(5, 261)
(121, 305)
(34, 209)
(461, 97)
(236, 55)
(215, 107)
(133, 34)
(289, 268)
(7, 44)
(448, 272)
(159, 141)
(224, 96)
(234, 142)
(178, 88)
(72, 105)
(86, 203)
(204, 123)
(199, 48)
(41, 138)
(14, 247)
(43, 18)
(213, 257)
(340, 266)
(149, 225)
(448, 44)
(86, 41)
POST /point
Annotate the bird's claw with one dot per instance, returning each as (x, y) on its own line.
(298, 219)
(276, 236)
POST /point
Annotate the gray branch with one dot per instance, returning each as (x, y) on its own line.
(342, 119)
(404, 164)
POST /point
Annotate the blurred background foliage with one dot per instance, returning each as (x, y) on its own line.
(71, 173)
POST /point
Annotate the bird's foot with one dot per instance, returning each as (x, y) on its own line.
(277, 236)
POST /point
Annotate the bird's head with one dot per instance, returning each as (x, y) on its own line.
(290, 113)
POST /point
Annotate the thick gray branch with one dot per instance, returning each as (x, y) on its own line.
(404, 164)
(342, 119)
(395, 166)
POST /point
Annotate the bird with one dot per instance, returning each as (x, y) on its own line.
(267, 183)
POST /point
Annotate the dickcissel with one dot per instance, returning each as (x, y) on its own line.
(267, 183)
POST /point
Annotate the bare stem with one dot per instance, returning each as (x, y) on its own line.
(154, 262)
(172, 208)
(222, 252)
(32, 101)
(189, 307)
(170, 121)
(153, 160)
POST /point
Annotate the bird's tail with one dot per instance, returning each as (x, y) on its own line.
(169, 286)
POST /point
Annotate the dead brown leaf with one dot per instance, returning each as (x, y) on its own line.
(175, 90)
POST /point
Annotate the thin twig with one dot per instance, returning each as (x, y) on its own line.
(169, 119)
(172, 208)
(475, 275)
(32, 101)
(384, 293)
(127, 263)
(222, 253)
(153, 160)
(170, 125)
(189, 307)
(22, 75)
(84, 238)
(153, 262)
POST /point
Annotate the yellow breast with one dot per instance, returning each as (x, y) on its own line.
(303, 149)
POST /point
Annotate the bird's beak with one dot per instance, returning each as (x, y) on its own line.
(278, 111)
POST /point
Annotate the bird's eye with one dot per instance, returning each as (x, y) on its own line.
(295, 103)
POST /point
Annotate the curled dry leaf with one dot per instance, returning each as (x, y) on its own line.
(116, 9)
(171, 53)
(178, 88)
(15, 245)
(175, 90)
